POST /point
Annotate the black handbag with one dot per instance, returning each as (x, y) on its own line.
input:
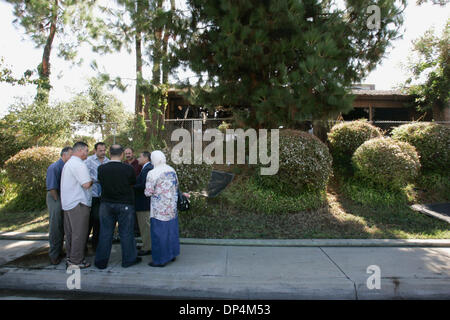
(183, 203)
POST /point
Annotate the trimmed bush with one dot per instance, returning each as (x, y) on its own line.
(432, 142)
(345, 138)
(191, 177)
(305, 165)
(386, 162)
(28, 168)
(11, 141)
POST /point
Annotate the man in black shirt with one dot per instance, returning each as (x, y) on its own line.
(116, 205)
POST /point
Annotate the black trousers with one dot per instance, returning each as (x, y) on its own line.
(94, 222)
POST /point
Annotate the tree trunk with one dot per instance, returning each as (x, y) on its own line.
(138, 108)
(321, 129)
(148, 124)
(43, 87)
(441, 114)
(165, 59)
(157, 52)
(102, 130)
(138, 96)
(152, 127)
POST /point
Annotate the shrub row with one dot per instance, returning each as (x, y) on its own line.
(432, 142)
(390, 162)
(305, 163)
(344, 138)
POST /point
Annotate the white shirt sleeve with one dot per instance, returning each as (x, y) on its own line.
(82, 173)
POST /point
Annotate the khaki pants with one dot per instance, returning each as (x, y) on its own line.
(143, 218)
(76, 226)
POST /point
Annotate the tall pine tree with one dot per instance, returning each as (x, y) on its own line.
(277, 62)
(43, 20)
(144, 23)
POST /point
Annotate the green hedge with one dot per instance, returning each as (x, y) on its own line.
(432, 142)
(344, 138)
(28, 170)
(305, 164)
(11, 141)
(386, 162)
(191, 177)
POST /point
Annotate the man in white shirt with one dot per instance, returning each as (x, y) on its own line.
(76, 199)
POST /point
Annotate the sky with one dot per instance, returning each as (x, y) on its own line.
(20, 54)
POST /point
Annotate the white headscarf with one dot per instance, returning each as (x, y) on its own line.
(158, 158)
(159, 164)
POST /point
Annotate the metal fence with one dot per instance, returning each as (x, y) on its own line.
(172, 124)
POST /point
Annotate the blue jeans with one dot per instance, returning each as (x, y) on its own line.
(111, 213)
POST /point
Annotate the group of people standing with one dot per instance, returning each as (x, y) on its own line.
(95, 193)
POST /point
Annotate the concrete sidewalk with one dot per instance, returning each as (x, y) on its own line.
(244, 272)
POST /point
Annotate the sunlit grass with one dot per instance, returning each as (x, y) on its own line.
(348, 209)
(36, 221)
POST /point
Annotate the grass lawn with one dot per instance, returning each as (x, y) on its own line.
(349, 211)
(36, 221)
(340, 217)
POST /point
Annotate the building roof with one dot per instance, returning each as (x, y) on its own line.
(379, 93)
(392, 97)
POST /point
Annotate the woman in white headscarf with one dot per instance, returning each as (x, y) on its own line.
(162, 187)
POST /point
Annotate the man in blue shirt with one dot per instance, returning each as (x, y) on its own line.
(93, 162)
(56, 225)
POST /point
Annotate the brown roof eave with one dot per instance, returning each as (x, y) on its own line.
(384, 98)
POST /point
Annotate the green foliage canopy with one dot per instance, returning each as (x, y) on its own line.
(433, 65)
(96, 105)
(278, 62)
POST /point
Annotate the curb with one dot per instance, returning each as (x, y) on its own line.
(321, 242)
(34, 236)
(129, 285)
(175, 287)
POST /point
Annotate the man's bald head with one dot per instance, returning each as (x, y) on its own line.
(116, 151)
